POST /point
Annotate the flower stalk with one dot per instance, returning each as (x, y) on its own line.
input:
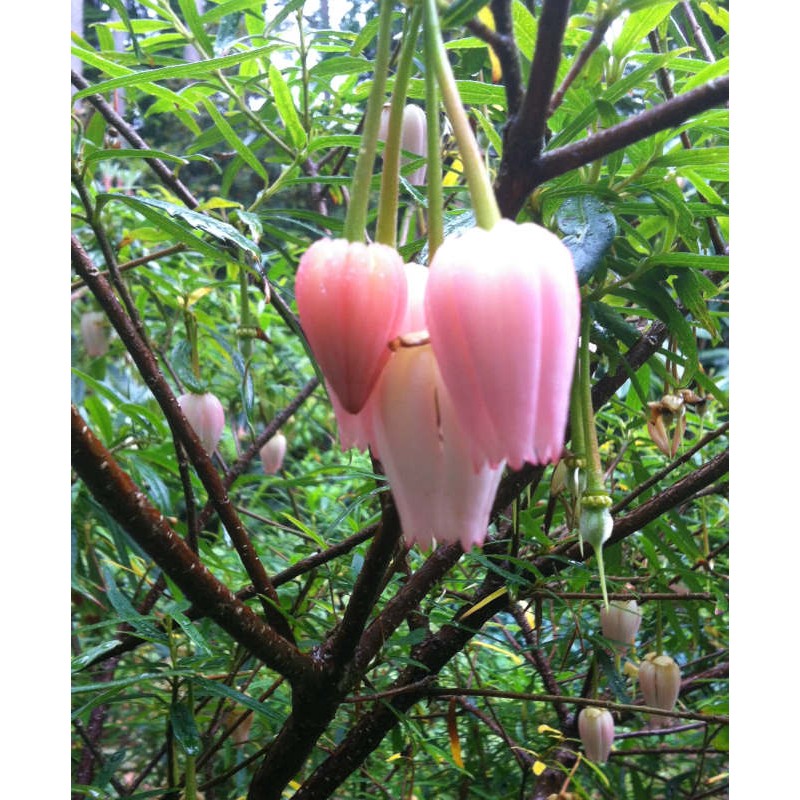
(386, 231)
(355, 223)
(484, 204)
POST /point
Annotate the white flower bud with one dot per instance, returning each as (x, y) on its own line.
(596, 729)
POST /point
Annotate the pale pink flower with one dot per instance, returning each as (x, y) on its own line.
(438, 493)
(620, 623)
(94, 333)
(596, 729)
(424, 451)
(351, 298)
(503, 311)
(413, 137)
(660, 680)
(272, 453)
(205, 414)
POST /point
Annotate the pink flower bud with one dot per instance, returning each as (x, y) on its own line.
(93, 333)
(351, 298)
(620, 623)
(660, 679)
(503, 311)
(205, 414)
(596, 729)
(272, 454)
(413, 137)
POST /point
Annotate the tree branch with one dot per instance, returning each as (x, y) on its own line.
(167, 176)
(120, 496)
(183, 431)
(520, 173)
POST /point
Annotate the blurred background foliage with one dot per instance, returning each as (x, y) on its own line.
(255, 107)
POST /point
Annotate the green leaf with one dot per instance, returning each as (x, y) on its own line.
(525, 28)
(144, 78)
(287, 9)
(286, 109)
(341, 65)
(79, 662)
(461, 12)
(638, 25)
(204, 686)
(126, 611)
(221, 231)
(147, 208)
(189, 10)
(105, 155)
(128, 78)
(692, 287)
(184, 728)
(589, 229)
(235, 142)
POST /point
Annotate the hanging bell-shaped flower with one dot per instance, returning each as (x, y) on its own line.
(351, 298)
(272, 453)
(596, 729)
(620, 623)
(503, 311)
(205, 414)
(93, 333)
(439, 495)
(423, 449)
(660, 679)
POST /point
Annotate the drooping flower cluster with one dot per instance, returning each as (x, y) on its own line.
(446, 373)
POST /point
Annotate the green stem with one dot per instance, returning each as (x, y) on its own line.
(386, 231)
(434, 168)
(659, 627)
(244, 312)
(484, 203)
(601, 571)
(594, 470)
(191, 334)
(355, 223)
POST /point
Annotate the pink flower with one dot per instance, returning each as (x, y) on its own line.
(93, 333)
(205, 414)
(660, 680)
(439, 495)
(424, 451)
(503, 311)
(351, 298)
(620, 623)
(596, 729)
(272, 454)
(413, 137)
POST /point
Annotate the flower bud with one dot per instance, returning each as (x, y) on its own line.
(660, 679)
(205, 414)
(272, 454)
(596, 523)
(620, 623)
(93, 333)
(596, 729)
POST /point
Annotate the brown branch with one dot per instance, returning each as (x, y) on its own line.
(521, 172)
(120, 496)
(167, 176)
(661, 474)
(183, 431)
(579, 62)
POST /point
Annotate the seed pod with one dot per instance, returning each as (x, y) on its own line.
(596, 729)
